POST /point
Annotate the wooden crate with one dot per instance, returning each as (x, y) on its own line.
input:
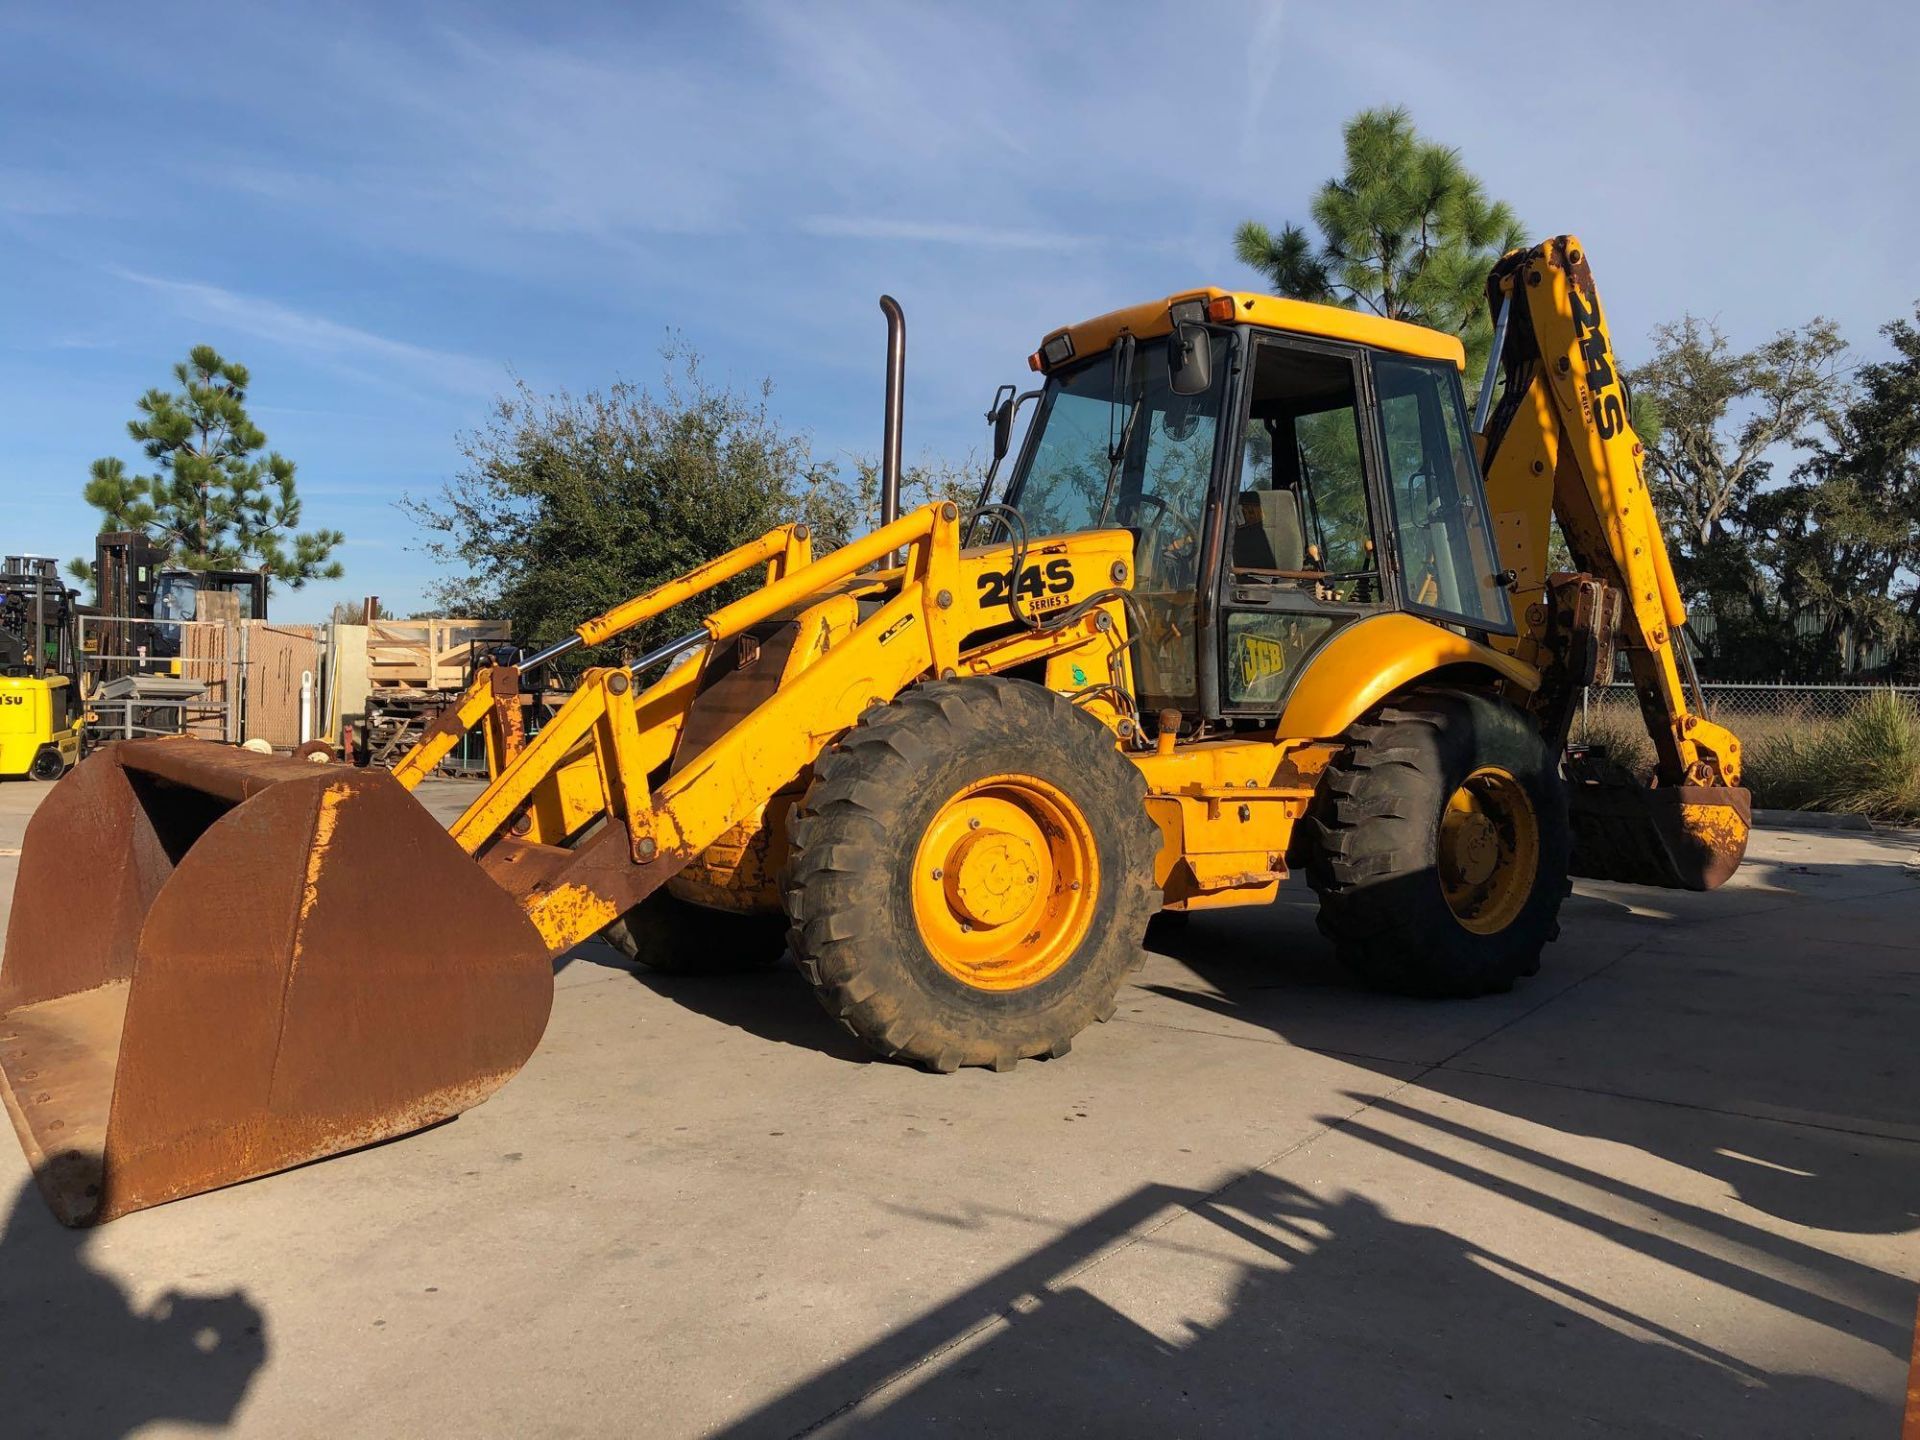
(427, 654)
(277, 656)
(206, 655)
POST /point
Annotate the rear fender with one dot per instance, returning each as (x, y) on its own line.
(1368, 661)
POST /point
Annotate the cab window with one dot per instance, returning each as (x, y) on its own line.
(1446, 555)
(1123, 451)
(1301, 517)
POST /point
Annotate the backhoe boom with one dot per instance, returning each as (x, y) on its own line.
(1561, 445)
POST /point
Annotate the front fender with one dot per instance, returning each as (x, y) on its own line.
(1366, 662)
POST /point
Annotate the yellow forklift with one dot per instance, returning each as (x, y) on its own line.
(41, 714)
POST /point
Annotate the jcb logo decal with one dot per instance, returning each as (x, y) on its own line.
(1035, 583)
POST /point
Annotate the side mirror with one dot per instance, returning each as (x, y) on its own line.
(1002, 418)
(1189, 359)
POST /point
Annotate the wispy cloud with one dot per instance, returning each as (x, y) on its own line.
(938, 232)
(317, 335)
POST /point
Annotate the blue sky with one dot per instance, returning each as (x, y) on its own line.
(387, 212)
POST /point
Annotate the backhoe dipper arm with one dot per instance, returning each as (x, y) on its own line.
(1563, 415)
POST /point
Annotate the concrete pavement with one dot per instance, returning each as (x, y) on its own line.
(1669, 1186)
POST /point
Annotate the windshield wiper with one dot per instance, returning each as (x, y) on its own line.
(1122, 377)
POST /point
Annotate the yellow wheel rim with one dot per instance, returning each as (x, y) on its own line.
(1005, 881)
(1489, 850)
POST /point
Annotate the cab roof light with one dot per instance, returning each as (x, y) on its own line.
(1221, 308)
(1187, 312)
(1056, 349)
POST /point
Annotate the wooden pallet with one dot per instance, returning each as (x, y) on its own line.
(430, 655)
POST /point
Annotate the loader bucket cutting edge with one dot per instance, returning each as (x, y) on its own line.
(1682, 837)
(220, 965)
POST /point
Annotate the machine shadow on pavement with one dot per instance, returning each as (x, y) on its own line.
(1333, 1319)
(770, 1002)
(185, 1357)
(1851, 1165)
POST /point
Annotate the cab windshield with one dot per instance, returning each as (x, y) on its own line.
(1131, 456)
(1074, 475)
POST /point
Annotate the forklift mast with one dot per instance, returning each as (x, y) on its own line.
(37, 613)
(134, 584)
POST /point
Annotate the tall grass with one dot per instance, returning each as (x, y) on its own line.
(1619, 731)
(1867, 763)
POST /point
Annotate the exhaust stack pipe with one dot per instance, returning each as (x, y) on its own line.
(896, 395)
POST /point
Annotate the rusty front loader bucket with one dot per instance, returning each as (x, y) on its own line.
(1682, 837)
(222, 964)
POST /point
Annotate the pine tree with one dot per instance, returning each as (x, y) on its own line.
(215, 502)
(1407, 232)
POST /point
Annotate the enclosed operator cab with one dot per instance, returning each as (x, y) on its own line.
(1286, 470)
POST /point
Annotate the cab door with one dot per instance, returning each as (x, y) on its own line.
(1299, 557)
(1443, 544)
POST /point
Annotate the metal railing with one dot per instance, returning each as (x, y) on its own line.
(204, 652)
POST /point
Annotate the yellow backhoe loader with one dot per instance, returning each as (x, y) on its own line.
(1259, 597)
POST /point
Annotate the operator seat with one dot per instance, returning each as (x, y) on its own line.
(1270, 534)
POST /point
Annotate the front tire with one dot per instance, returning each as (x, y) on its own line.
(972, 874)
(1441, 851)
(48, 764)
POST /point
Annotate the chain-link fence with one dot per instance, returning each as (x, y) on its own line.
(1730, 704)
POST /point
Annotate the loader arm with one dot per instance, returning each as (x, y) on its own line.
(537, 828)
(1560, 445)
(492, 699)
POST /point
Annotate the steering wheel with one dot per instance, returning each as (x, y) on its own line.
(1163, 513)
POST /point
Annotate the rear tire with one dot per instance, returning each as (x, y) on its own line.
(664, 933)
(1441, 850)
(971, 874)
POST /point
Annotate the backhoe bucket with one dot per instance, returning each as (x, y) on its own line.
(222, 964)
(1681, 837)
